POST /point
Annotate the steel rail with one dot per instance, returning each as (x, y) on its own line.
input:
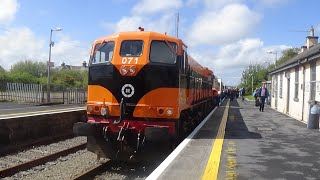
(88, 174)
(27, 165)
(13, 148)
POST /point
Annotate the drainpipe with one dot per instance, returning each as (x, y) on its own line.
(304, 78)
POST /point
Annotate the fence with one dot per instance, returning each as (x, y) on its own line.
(36, 93)
(21, 92)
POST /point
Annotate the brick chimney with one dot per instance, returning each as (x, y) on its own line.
(311, 39)
(303, 49)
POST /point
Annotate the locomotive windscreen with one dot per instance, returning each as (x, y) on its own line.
(131, 48)
(103, 52)
(163, 52)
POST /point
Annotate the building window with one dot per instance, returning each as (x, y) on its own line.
(313, 80)
(275, 86)
(296, 83)
(281, 85)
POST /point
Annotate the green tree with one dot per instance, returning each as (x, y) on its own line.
(70, 78)
(252, 77)
(34, 68)
(287, 55)
(3, 74)
(260, 73)
(23, 77)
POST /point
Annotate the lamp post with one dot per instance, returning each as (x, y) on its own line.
(251, 74)
(51, 44)
(252, 83)
(276, 53)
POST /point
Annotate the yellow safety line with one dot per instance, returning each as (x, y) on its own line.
(36, 112)
(211, 172)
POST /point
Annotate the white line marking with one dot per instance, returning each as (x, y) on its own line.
(24, 108)
(157, 172)
(43, 113)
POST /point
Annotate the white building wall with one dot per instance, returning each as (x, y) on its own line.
(318, 80)
(295, 107)
(281, 97)
(273, 96)
(298, 108)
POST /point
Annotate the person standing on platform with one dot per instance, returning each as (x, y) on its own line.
(243, 93)
(263, 93)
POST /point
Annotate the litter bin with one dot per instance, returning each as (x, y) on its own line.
(313, 121)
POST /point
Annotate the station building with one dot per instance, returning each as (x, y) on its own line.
(295, 85)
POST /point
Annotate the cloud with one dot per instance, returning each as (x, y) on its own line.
(152, 15)
(231, 23)
(19, 44)
(151, 6)
(124, 24)
(230, 60)
(69, 51)
(210, 4)
(8, 9)
(161, 24)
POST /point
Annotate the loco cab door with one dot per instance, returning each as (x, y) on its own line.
(184, 74)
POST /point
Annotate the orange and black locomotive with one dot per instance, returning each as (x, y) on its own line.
(143, 88)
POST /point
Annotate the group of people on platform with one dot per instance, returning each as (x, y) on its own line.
(260, 95)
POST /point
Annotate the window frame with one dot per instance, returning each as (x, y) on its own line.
(164, 41)
(95, 52)
(313, 80)
(296, 84)
(142, 47)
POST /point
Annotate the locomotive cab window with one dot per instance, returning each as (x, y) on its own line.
(131, 48)
(163, 52)
(103, 52)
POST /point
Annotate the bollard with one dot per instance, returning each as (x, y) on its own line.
(313, 121)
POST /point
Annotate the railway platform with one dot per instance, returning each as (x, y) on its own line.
(13, 109)
(237, 141)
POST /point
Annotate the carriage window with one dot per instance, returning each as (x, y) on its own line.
(131, 48)
(163, 52)
(103, 52)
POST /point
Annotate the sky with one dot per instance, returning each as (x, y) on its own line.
(224, 35)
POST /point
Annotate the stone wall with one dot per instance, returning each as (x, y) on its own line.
(20, 129)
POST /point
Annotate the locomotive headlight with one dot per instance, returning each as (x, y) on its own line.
(132, 70)
(124, 71)
(104, 111)
(89, 108)
(169, 112)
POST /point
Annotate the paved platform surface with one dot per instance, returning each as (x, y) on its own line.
(9, 109)
(256, 145)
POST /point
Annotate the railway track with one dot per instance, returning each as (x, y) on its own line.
(35, 162)
(112, 169)
(16, 162)
(94, 170)
(42, 141)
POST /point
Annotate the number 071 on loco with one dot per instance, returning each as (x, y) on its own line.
(143, 90)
